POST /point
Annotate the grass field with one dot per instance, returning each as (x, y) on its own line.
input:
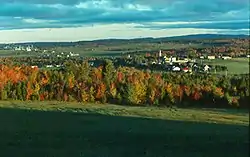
(126, 46)
(55, 129)
(235, 65)
(118, 49)
(105, 50)
(12, 53)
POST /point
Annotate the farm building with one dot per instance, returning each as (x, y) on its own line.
(210, 57)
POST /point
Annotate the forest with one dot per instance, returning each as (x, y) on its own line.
(79, 82)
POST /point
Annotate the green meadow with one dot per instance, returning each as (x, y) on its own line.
(234, 65)
(58, 129)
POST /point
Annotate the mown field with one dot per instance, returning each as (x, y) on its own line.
(54, 129)
(235, 65)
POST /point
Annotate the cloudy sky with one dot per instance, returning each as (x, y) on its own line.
(72, 20)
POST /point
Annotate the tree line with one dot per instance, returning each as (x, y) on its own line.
(123, 85)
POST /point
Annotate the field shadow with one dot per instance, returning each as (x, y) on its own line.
(28, 133)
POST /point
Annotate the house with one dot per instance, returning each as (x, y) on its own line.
(49, 66)
(186, 69)
(226, 57)
(202, 57)
(192, 60)
(18, 48)
(28, 49)
(73, 54)
(58, 66)
(176, 68)
(34, 66)
(206, 68)
(210, 57)
(173, 59)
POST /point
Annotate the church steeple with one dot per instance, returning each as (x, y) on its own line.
(160, 53)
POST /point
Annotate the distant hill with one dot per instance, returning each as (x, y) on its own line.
(209, 36)
(185, 37)
(135, 40)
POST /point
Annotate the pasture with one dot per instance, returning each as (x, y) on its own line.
(54, 129)
(235, 65)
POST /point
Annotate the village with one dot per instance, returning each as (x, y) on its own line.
(157, 61)
(174, 63)
(184, 61)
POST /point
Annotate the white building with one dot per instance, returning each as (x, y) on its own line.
(226, 57)
(28, 49)
(18, 48)
(34, 66)
(206, 68)
(49, 66)
(210, 57)
(176, 68)
(173, 59)
(160, 53)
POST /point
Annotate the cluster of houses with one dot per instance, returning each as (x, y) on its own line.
(53, 53)
(223, 57)
(188, 67)
(48, 66)
(211, 57)
(178, 64)
(166, 63)
(27, 48)
(172, 59)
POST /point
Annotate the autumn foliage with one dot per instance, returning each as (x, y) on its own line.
(106, 84)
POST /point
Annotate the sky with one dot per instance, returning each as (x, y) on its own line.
(74, 20)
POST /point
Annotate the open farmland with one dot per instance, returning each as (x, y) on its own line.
(12, 53)
(105, 49)
(119, 48)
(73, 129)
(235, 65)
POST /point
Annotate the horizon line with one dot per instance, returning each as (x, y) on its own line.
(133, 38)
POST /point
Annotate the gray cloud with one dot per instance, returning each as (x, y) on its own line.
(74, 13)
